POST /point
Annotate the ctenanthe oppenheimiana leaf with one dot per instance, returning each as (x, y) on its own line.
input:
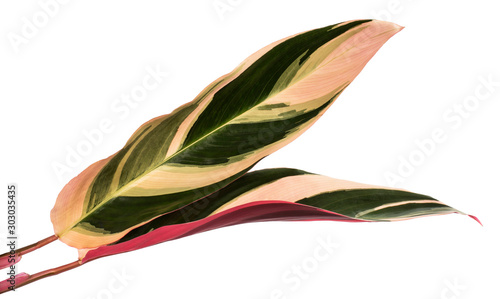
(279, 194)
(172, 160)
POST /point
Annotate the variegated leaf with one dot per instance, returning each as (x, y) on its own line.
(279, 194)
(262, 105)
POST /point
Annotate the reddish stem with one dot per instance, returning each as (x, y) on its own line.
(43, 274)
(32, 247)
(4, 258)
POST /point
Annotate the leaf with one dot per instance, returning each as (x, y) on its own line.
(279, 194)
(172, 160)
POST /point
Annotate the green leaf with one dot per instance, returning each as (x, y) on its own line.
(265, 103)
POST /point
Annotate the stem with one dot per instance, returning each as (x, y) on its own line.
(46, 273)
(50, 272)
(32, 247)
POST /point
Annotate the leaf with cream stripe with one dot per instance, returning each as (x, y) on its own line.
(279, 194)
(265, 103)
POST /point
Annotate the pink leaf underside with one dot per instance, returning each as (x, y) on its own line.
(20, 278)
(475, 218)
(247, 213)
(4, 261)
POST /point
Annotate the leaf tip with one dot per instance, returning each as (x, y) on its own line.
(475, 218)
(393, 26)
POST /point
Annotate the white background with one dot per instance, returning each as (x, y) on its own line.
(66, 78)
